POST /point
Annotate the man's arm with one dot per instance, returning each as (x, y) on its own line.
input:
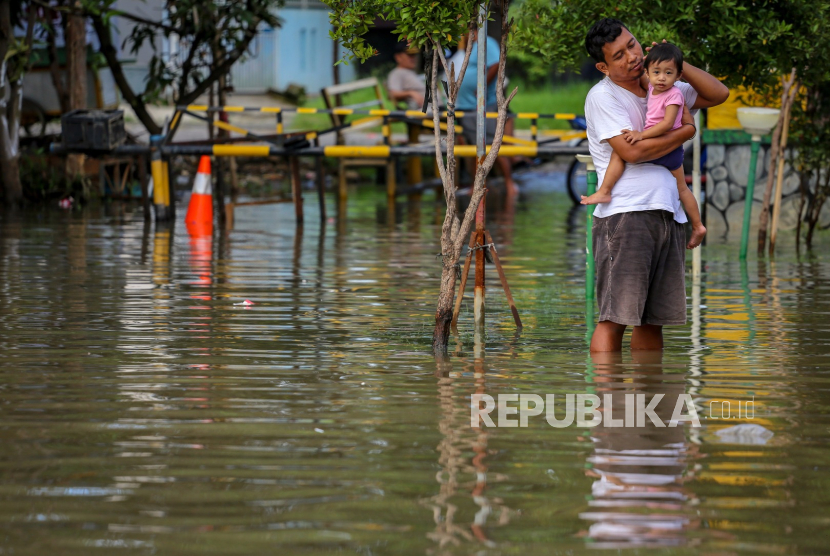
(492, 71)
(710, 91)
(649, 149)
(660, 128)
(399, 95)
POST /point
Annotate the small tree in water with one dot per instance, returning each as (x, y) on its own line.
(434, 26)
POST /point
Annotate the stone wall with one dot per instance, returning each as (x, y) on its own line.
(727, 170)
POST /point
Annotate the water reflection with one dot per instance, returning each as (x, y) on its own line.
(135, 416)
(639, 498)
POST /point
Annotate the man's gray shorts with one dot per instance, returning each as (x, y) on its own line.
(641, 268)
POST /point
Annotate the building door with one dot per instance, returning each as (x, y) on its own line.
(255, 74)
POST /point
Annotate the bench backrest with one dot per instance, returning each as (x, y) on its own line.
(332, 97)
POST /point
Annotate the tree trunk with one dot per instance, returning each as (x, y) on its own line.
(455, 231)
(804, 185)
(76, 79)
(58, 80)
(102, 30)
(336, 67)
(443, 313)
(815, 207)
(763, 219)
(10, 99)
(9, 140)
(221, 98)
(775, 152)
(10, 172)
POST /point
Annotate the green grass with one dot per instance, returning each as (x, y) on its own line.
(568, 98)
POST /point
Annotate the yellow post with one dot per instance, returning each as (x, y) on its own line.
(158, 182)
(342, 191)
(168, 191)
(161, 191)
(414, 172)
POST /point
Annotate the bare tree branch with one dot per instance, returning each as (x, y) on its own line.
(226, 64)
(90, 13)
(453, 85)
(436, 116)
(447, 171)
(187, 66)
(54, 68)
(108, 50)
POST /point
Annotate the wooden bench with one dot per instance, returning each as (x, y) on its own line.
(332, 96)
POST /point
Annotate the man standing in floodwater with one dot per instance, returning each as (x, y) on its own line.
(639, 237)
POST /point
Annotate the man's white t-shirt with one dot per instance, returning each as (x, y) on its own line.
(609, 109)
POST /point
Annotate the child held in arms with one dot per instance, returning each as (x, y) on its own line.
(663, 67)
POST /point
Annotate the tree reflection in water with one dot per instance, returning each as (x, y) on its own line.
(460, 472)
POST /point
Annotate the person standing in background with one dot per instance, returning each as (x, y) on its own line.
(467, 103)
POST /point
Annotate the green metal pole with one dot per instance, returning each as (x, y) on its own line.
(589, 242)
(589, 247)
(750, 190)
(589, 256)
(750, 313)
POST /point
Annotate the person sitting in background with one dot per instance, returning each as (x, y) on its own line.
(403, 83)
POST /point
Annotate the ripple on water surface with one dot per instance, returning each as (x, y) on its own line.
(143, 409)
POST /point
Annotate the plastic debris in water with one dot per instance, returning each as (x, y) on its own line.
(746, 433)
(246, 303)
(66, 203)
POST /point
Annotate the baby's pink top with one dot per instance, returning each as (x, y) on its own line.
(656, 110)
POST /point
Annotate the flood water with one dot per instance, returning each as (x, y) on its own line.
(143, 411)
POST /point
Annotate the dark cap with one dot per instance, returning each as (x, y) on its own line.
(402, 46)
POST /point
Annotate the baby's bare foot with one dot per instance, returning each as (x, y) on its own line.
(597, 198)
(698, 233)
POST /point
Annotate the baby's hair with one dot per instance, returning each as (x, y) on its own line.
(664, 52)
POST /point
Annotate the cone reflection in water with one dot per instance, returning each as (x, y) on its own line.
(201, 257)
(199, 218)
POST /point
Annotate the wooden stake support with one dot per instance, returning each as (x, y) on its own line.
(467, 260)
(502, 277)
(296, 189)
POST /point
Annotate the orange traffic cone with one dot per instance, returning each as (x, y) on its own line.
(199, 218)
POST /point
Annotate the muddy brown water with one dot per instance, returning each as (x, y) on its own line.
(143, 411)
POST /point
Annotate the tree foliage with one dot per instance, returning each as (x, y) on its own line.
(416, 21)
(747, 43)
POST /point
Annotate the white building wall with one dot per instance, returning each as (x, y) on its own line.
(300, 52)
